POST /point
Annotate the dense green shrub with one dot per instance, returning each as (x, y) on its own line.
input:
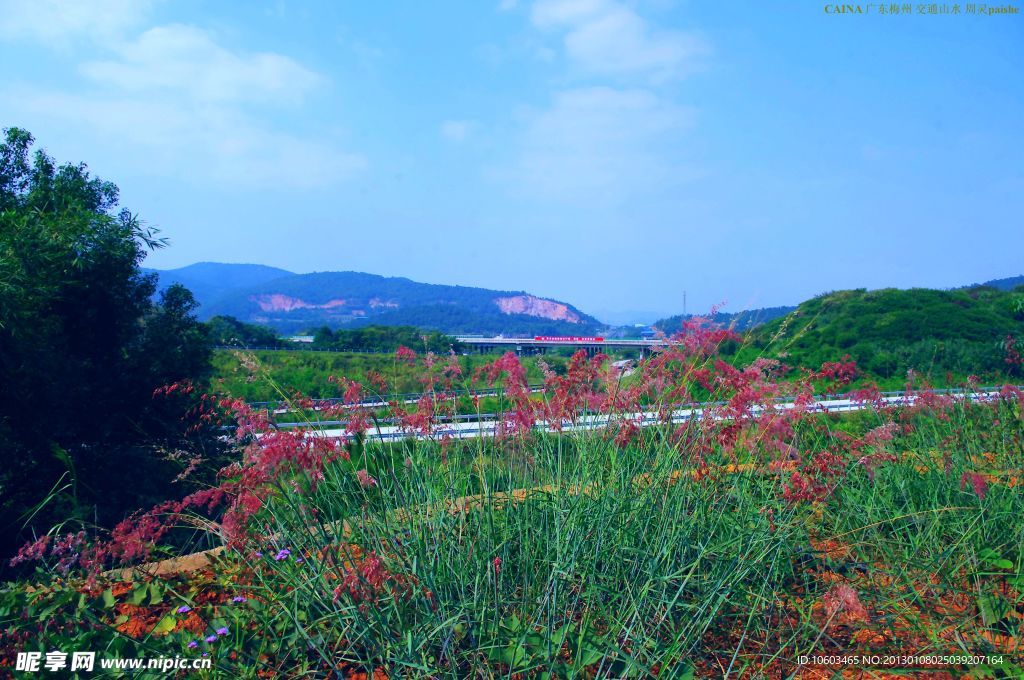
(83, 348)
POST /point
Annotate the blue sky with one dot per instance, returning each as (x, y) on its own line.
(605, 152)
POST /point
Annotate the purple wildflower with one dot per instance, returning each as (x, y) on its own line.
(222, 631)
(184, 609)
(237, 599)
(211, 638)
(282, 554)
(193, 644)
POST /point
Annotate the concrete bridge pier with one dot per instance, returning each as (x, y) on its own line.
(530, 350)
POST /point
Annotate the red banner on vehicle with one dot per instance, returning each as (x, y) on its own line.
(568, 338)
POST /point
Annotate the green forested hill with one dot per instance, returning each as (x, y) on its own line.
(890, 331)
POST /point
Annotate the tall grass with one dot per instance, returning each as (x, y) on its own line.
(722, 546)
(613, 564)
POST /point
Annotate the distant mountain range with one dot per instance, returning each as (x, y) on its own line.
(1008, 283)
(209, 281)
(738, 321)
(290, 302)
(626, 317)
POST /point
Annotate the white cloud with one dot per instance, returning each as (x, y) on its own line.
(601, 143)
(457, 130)
(620, 140)
(605, 37)
(56, 23)
(161, 136)
(558, 13)
(185, 105)
(187, 61)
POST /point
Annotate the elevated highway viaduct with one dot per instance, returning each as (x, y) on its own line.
(540, 344)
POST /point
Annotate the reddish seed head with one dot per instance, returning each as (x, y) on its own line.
(843, 598)
(978, 483)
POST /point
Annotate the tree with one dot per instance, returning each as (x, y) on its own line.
(323, 337)
(83, 349)
(227, 330)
